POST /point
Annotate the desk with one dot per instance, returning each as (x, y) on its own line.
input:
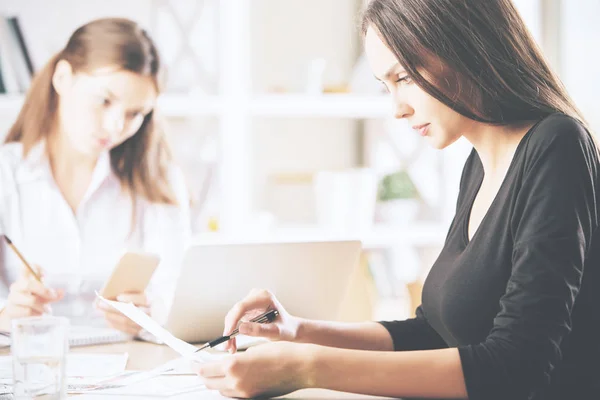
(145, 356)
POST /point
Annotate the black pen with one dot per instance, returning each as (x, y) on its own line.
(265, 318)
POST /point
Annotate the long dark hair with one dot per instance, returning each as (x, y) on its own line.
(475, 56)
(141, 162)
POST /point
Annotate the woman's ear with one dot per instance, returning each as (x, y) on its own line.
(62, 77)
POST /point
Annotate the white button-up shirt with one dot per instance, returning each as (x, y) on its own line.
(78, 251)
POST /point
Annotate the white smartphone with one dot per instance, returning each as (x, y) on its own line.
(131, 274)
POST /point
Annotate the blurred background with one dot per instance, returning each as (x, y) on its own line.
(284, 134)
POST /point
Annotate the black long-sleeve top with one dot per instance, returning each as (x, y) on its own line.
(521, 299)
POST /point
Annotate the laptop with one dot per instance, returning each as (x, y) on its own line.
(310, 279)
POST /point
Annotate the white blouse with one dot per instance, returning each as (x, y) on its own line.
(77, 251)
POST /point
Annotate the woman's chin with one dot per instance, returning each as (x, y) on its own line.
(435, 142)
(439, 142)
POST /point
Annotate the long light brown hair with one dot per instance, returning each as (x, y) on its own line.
(141, 162)
(493, 71)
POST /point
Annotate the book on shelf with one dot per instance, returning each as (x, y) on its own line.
(2, 87)
(16, 68)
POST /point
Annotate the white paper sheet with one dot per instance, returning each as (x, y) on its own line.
(142, 319)
(81, 365)
(159, 386)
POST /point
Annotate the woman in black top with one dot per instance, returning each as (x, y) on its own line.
(509, 309)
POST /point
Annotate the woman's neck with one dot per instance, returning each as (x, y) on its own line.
(496, 145)
(65, 159)
(72, 170)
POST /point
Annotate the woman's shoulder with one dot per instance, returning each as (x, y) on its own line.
(559, 130)
(560, 141)
(11, 156)
(561, 138)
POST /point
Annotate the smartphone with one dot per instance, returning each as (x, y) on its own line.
(131, 274)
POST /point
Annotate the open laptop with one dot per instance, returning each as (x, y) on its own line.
(310, 279)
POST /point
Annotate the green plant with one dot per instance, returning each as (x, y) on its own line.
(397, 185)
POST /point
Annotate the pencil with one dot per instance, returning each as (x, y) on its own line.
(18, 253)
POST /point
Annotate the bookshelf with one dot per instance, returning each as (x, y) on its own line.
(379, 237)
(252, 118)
(237, 103)
(276, 105)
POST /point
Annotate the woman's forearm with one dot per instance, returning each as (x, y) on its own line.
(359, 336)
(426, 374)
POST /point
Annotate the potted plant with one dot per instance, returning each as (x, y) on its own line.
(398, 198)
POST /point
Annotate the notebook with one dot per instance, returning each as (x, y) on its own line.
(87, 336)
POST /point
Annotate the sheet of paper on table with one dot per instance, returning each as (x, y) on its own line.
(146, 322)
(80, 365)
(158, 386)
(153, 383)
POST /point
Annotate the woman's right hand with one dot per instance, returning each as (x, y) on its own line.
(258, 301)
(27, 297)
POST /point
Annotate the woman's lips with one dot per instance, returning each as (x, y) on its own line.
(422, 129)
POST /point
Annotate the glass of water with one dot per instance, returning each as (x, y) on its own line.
(39, 350)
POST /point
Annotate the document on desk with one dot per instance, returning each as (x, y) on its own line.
(159, 386)
(80, 365)
(146, 322)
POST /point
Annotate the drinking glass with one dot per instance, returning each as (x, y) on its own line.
(39, 349)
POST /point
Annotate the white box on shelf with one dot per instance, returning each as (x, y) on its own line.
(326, 105)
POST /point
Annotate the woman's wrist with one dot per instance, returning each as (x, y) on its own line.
(309, 356)
(302, 330)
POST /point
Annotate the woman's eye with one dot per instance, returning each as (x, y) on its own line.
(104, 101)
(404, 79)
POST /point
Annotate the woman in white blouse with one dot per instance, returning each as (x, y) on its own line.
(85, 174)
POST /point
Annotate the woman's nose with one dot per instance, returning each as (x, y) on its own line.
(401, 108)
(402, 111)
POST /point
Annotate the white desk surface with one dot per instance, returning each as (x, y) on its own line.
(145, 356)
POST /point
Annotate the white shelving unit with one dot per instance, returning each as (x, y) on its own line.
(326, 105)
(235, 107)
(378, 237)
(276, 105)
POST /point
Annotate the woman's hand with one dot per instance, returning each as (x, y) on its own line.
(270, 369)
(27, 297)
(284, 327)
(119, 321)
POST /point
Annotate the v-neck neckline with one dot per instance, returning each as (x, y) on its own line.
(511, 166)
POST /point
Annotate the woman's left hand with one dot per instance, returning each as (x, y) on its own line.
(119, 321)
(271, 369)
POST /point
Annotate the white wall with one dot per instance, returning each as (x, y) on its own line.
(580, 55)
(286, 35)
